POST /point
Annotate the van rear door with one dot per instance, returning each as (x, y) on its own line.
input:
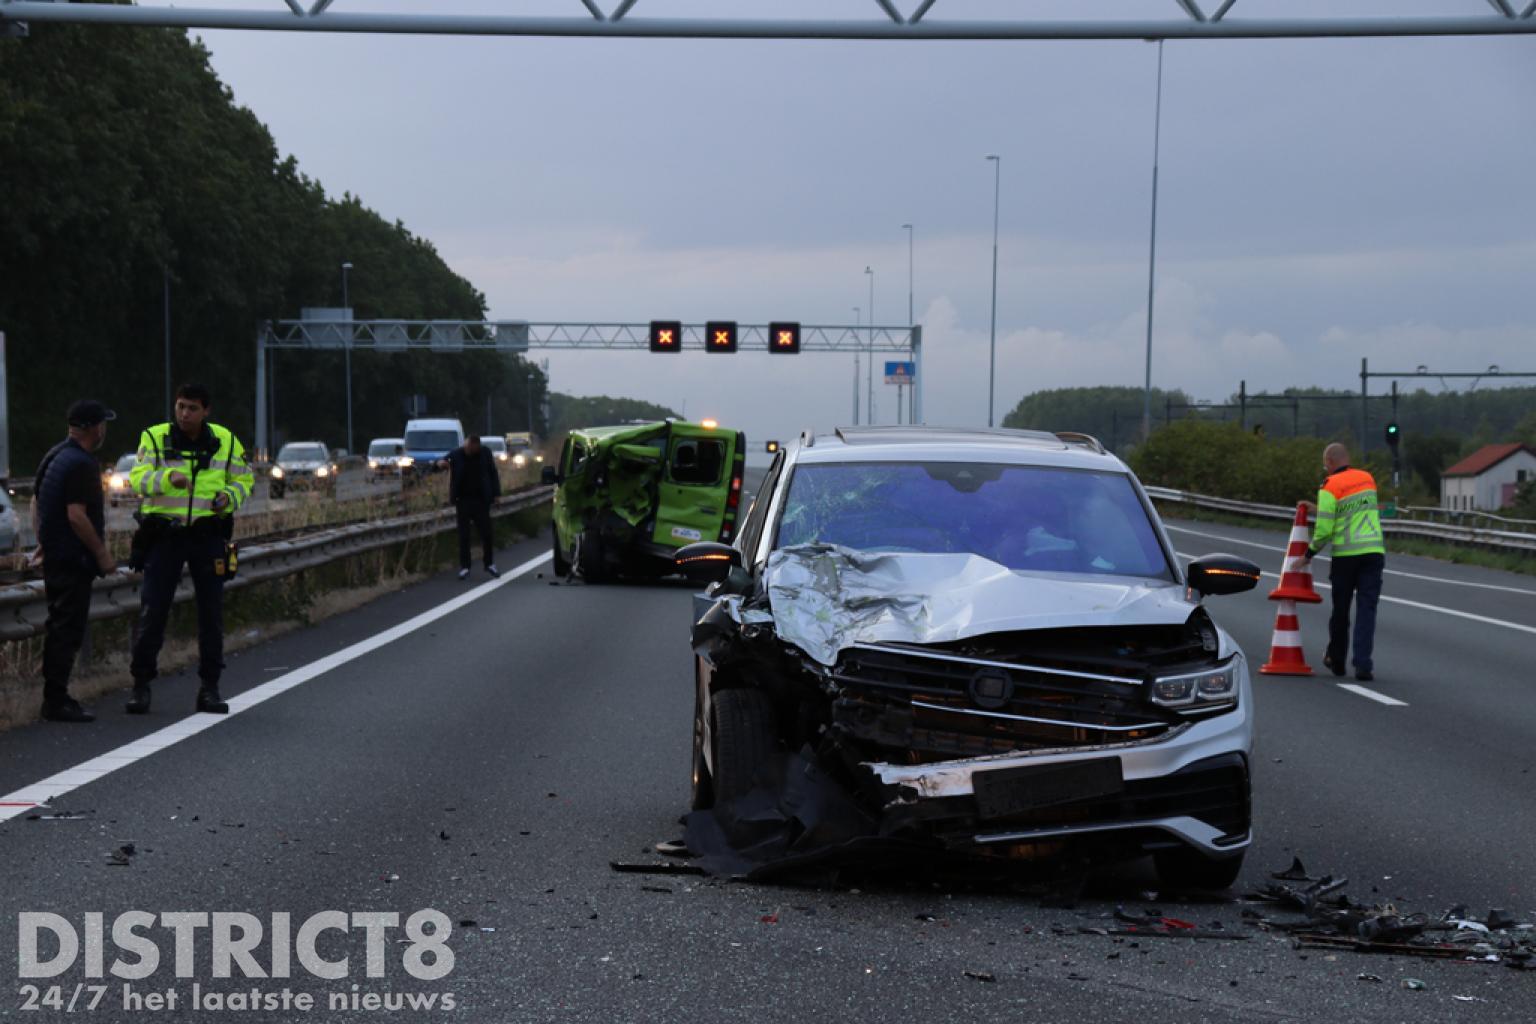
(700, 489)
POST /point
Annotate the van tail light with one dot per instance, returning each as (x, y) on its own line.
(733, 500)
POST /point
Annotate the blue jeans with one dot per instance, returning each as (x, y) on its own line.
(1356, 579)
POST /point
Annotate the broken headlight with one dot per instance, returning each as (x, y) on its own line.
(1197, 690)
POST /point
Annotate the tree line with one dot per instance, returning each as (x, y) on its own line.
(130, 172)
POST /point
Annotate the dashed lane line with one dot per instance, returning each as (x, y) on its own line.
(40, 793)
(1367, 692)
(1324, 558)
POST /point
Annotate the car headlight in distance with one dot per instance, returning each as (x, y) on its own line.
(406, 460)
(1197, 690)
(117, 481)
(277, 472)
(519, 460)
(322, 471)
(373, 463)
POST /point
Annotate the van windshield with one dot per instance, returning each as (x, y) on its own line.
(383, 448)
(431, 440)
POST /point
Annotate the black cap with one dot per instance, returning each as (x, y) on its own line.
(87, 412)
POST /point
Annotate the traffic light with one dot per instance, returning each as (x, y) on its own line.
(666, 336)
(784, 338)
(720, 336)
(1394, 436)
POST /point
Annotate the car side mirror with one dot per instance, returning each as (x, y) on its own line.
(547, 475)
(1217, 574)
(707, 561)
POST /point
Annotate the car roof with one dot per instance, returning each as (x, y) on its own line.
(958, 444)
(387, 440)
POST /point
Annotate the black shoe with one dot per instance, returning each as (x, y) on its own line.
(208, 700)
(1365, 675)
(66, 710)
(138, 703)
(1334, 667)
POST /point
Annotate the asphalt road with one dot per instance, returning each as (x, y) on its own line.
(491, 762)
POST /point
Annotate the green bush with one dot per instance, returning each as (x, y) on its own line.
(1224, 460)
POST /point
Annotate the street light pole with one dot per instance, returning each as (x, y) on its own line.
(857, 320)
(910, 320)
(166, 282)
(870, 370)
(347, 349)
(997, 197)
(1157, 130)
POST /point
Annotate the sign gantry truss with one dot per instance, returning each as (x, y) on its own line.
(1185, 19)
(450, 336)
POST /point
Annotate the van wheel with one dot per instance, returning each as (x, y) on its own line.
(743, 740)
(589, 557)
(562, 565)
(1185, 868)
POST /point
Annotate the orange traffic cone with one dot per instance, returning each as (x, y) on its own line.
(1285, 654)
(1296, 575)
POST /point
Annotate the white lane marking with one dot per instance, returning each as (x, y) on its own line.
(40, 793)
(1417, 604)
(1380, 698)
(1390, 572)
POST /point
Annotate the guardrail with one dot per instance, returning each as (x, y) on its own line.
(1506, 540)
(23, 608)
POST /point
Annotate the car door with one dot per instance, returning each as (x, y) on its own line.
(694, 487)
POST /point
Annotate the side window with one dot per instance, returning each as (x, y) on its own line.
(579, 459)
(752, 530)
(696, 461)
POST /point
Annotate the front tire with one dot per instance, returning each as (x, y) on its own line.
(1186, 868)
(743, 740)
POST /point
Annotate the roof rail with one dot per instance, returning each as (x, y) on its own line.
(1084, 440)
(808, 438)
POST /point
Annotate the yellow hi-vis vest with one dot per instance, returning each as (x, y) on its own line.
(216, 467)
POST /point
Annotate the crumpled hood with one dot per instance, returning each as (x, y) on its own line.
(825, 598)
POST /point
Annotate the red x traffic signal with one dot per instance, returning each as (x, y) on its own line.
(784, 338)
(666, 336)
(720, 336)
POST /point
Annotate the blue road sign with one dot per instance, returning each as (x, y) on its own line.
(900, 372)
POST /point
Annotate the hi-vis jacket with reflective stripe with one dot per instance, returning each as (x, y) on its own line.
(1346, 515)
(213, 465)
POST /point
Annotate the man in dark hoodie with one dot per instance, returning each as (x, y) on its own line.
(473, 484)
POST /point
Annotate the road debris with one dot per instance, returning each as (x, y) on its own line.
(656, 868)
(1332, 920)
(986, 976)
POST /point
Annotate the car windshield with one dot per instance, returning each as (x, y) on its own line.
(431, 440)
(302, 453)
(125, 463)
(383, 449)
(1027, 518)
(495, 444)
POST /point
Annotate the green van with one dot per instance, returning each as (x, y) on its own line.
(628, 497)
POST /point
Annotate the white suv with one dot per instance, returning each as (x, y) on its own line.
(970, 640)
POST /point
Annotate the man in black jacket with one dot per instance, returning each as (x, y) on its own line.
(473, 484)
(71, 530)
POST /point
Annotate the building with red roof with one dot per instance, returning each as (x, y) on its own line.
(1488, 478)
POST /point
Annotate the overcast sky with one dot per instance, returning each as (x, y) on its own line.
(1320, 200)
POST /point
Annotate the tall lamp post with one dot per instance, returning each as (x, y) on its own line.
(857, 320)
(1157, 129)
(997, 196)
(870, 370)
(910, 320)
(346, 304)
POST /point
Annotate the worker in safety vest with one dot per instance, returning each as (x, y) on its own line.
(191, 476)
(1347, 518)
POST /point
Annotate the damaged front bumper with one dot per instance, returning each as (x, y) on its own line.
(1190, 787)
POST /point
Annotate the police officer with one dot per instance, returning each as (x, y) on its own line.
(71, 530)
(192, 475)
(1347, 518)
